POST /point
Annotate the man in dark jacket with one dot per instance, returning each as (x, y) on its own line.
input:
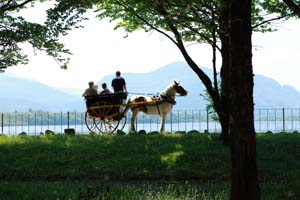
(118, 83)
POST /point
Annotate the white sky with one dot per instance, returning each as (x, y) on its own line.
(99, 50)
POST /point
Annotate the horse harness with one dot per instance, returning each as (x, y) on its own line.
(162, 98)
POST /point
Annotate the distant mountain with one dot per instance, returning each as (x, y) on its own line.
(156, 81)
(267, 92)
(22, 94)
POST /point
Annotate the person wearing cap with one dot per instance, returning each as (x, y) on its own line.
(91, 90)
(118, 83)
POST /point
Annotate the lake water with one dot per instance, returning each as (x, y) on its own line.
(260, 126)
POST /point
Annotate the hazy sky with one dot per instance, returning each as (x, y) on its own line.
(99, 50)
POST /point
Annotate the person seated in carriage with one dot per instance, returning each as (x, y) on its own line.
(91, 90)
(105, 90)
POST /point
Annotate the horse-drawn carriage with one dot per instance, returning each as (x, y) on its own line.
(106, 113)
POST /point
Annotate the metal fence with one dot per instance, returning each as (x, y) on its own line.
(33, 123)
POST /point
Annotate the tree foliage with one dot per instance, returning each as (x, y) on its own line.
(15, 30)
(188, 21)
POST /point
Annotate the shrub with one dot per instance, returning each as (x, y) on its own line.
(49, 132)
(180, 132)
(23, 133)
(120, 132)
(153, 133)
(193, 132)
(269, 132)
(142, 132)
(92, 133)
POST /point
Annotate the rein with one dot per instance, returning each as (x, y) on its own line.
(151, 94)
(137, 93)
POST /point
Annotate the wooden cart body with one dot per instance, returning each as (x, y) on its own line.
(105, 112)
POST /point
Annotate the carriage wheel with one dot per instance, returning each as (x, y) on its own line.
(105, 118)
(90, 123)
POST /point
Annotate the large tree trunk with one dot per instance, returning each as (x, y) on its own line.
(244, 180)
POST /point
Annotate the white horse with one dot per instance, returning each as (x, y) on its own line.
(160, 104)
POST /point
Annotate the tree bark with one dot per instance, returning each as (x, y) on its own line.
(244, 180)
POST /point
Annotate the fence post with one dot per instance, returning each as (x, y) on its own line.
(178, 126)
(267, 119)
(35, 123)
(292, 118)
(283, 120)
(275, 120)
(42, 119)
(192, 120)
(207, 120)
(22, 121)
(48, 120)
(259, 116)
(75, 119)
(2, 120)
(16, 123)
(185, 120)
(28, 122)
(61, 122)
(54, 123)
(171, 122)
(200, 120)
(68, 119)
(143, 121)
(299, 115)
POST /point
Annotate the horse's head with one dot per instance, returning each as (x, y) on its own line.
(179, 89)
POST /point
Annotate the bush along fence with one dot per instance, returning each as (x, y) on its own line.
(34, 123)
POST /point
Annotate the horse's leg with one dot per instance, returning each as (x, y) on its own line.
(133, 118)
(162, 123)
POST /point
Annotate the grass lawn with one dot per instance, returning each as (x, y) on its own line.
(140, 166)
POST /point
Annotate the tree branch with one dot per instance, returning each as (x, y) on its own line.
(209, 41)
(146, 22)
(270, 20)
(214, 44)
(203, 77)
(9, 6)
(293, 6)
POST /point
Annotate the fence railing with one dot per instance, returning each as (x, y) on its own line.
(33, 123)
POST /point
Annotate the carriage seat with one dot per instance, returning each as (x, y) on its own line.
(111, 98)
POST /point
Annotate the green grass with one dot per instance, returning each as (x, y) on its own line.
(167, 166)
(111, 190)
